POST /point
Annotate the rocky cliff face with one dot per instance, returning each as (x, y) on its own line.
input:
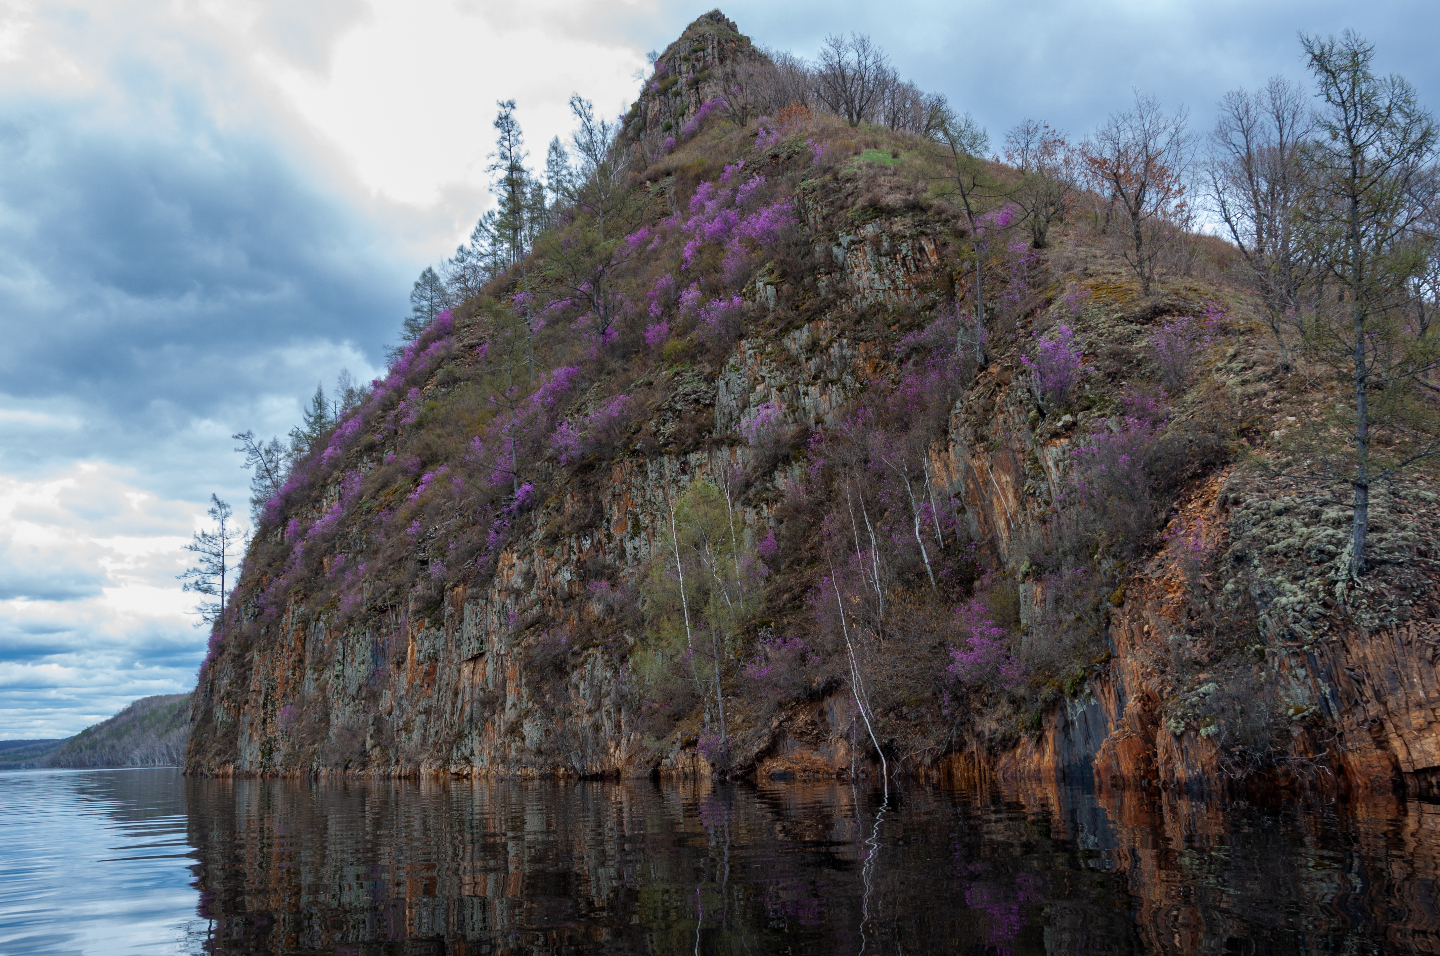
(471, 576)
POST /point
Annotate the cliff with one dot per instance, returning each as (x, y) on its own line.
(728, 480)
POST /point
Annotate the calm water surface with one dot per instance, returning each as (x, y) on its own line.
(148, 862)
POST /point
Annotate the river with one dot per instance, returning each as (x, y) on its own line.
(146, 861)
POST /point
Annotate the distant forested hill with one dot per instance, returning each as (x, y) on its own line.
(19, 754)
(151, 732)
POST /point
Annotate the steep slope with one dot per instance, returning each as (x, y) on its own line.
(720, 482)
(151, 732)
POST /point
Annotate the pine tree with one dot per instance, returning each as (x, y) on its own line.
(218, 552)
(428, 298)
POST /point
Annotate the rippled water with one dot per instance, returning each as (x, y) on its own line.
(96, 862)
(146, 862)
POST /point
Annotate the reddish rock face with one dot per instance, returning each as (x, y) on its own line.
(1261, 671)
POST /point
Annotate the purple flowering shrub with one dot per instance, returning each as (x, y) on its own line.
(768, 437)
(984, 655)
(728, 216)
(597, 433)
(1055, 367)
(702, 113)
(1192, 555)
(1122, 475)
(1177, 345)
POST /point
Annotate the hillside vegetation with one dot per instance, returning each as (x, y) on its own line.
(775, 439)
(151, 732)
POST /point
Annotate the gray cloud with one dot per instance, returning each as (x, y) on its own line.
(1071, 63)
(144, 272)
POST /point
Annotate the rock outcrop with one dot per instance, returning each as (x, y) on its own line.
(518, 650)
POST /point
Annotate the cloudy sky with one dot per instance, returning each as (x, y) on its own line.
(207, 206)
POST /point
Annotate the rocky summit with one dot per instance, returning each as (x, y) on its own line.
(780, 441)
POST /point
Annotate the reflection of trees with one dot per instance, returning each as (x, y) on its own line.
(297, 866)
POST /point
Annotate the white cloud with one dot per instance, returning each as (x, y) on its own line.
(410, 94)
(89, 605)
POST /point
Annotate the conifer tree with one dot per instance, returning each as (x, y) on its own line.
(1373, 174)
(217, 552)
(516, 208)
(428, 298)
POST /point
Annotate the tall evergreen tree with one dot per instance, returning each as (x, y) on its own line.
(428, 298)
(513, 224)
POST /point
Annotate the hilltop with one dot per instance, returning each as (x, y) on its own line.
(722, 475)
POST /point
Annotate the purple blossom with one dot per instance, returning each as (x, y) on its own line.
(1178, 344)
(747, 189)
(996, 219)
(1075, 298)
(706, 108)
(326, 523)
(655, 335)
(340, 440)
(425, 481)
(637, 239)
(555, 386)
(690, 300)
(720, 320)
(765, 225)
(567, 443)
(985, 655)
(767, 418)
(572, 442)
(767, 547)
(1055, 368)
(661, 294)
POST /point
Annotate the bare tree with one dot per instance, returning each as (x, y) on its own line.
(903, 107)
(790, 81)
(1048, 176)
(218, 553)
(744, 82)
(1139, 159)
(600, 186)
(851, 74)
(1256, 180)
(968, 141)
(1373, 171)
(268, 463)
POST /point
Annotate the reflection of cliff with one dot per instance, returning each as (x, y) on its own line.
(495, 867)
(1317, 879)
(290, 867)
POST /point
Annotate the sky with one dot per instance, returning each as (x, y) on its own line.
(207, 208)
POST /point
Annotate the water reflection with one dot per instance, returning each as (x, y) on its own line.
(145, 862)
(533, 867)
